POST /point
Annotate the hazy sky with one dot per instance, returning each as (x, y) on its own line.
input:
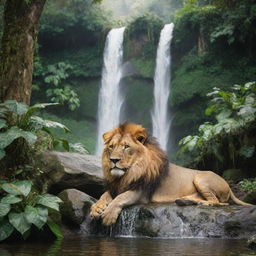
(127, 8)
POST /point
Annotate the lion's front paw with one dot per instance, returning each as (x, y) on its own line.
(97, 209)
(110, 215)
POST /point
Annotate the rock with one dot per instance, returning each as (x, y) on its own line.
(75, 207)
(64, 170)
(241, 222)
(170, 221)
(234, 174)
(251, 242)
(250, 197)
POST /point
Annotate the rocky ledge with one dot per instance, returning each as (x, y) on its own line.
(161, 221)
(79, 179)
(171, 221)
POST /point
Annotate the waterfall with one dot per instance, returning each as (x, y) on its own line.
(110, 97)
(161, 122)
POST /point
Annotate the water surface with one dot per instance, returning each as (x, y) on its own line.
(127, 246)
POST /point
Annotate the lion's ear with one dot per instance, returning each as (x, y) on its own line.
(107, 136)
(142, 136)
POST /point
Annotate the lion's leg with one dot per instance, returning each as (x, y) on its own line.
(112, 212)
(189, 200)
(206, 192)
(98, 208)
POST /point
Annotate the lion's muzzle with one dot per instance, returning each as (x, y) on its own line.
(117, 172)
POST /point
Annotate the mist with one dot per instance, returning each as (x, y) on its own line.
(125, 9)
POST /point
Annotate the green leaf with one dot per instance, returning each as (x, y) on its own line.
(36, 107)
(223, 115)
(2, 123)
(4, 209)
(55, 229)
(10, 199)
(47, 123)
(19, 221)
(36, 215)
(65, 144)
(6, 229)
(21, 187)
(247, 151)
(16, 107)
(13, 133)
(79, 148)
(2, 154)
(49, 201)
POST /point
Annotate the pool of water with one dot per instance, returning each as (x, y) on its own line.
(78, 246)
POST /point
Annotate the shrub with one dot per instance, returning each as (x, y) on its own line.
(21, 207)
(228, 142)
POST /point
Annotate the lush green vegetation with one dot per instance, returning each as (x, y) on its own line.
(21, 207)
(248, 185)
(23, 136)
(230, 142)
(212, 47)
(141, 41)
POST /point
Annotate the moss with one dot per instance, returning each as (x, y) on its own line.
(144, 67)
(139, 100)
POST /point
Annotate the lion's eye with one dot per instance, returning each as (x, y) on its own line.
(111, 146)
(126, 146)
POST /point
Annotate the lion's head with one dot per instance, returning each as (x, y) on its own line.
(132, 159)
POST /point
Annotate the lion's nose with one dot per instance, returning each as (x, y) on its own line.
(115, 160)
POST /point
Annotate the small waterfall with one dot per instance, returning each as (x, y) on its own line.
(110, 98)
(161, 122)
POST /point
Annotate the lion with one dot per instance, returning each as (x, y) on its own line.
(137, 171)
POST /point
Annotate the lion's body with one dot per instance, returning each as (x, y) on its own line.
(185, 183)
(138, 171)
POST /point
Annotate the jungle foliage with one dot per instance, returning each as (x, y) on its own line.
(141, 39)
(230, 141)
(212, 47)
(23, 136)
(21, 207)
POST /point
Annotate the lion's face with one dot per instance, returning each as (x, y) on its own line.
(123, 149)
(122, 152)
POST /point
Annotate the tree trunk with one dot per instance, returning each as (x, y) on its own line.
(18, 43)
(201, 45)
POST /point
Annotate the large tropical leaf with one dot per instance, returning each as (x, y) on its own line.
(49, 201)
(19, 221)
(4, 209)
(20, 187)
(2, 154)
(41, 123)
(33, 109)
(6, 229)
(13, 133)
(36, 215)
(2, 123)
(11, 199)
(17, 108)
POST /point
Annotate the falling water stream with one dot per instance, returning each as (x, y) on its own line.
(110, 97)
(160, 121)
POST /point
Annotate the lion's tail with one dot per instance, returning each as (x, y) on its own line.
(237, 201)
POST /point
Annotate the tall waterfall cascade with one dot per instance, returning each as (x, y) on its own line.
(110, 98)
(160, 121)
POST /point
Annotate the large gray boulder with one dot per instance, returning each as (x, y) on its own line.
(64, 170)
(171, 221)
(75, 207)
